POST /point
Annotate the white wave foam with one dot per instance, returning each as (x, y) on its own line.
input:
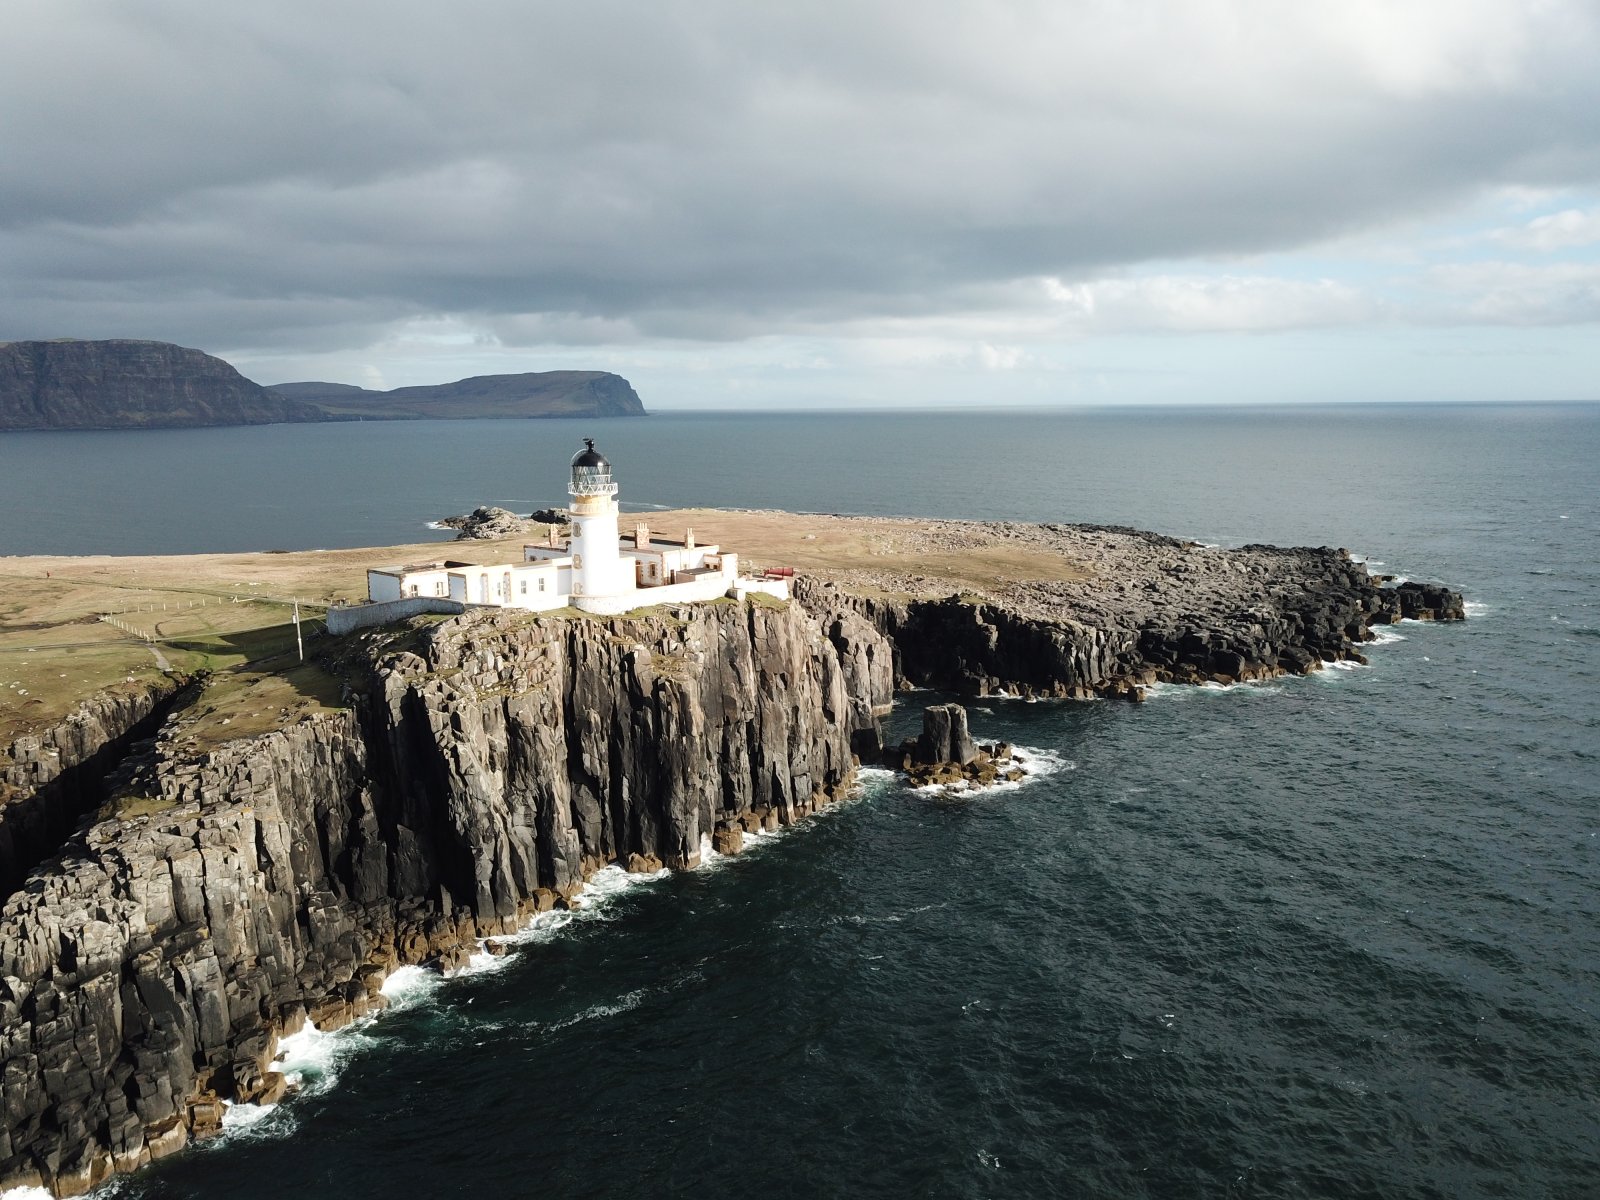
(1186, 691)
(1384, 635)
(599, 1011)
(309, 1061)
(1475, 608)
(410, 985)
(889, 918)
(1344, 664)
(26, 1193)
(481, 963)
(596, 903)
(246, 1120)
(312, 1059)
(243, 1116)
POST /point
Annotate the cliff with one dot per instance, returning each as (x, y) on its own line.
(492, 763)
(122, 384)
(1155, 610)
(529, 394)
(131, 385)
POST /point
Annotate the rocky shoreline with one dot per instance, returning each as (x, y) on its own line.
(487, 765)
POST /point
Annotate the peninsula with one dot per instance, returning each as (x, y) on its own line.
(128, 384)
(206, 842)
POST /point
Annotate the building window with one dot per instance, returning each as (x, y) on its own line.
(541, 585)
(413, 589)
(577, 562)
(524, 584)
(439, 588)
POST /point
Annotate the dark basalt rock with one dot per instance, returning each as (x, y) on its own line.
(1212, 616)
(946, 755)
(147, 970)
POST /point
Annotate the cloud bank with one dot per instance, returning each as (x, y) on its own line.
(299, 178)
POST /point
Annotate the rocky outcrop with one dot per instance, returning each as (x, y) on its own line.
(131, 385)
(946, 756)
(945, 736)
(487, 523)
(494, 762)
(1188, 614)
(49, 779)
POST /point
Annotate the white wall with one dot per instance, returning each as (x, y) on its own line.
(382, 587)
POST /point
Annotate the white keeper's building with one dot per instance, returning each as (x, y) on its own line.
(597, 569)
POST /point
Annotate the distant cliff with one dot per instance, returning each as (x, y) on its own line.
(531, 394)
(123, 384)
(131, 385)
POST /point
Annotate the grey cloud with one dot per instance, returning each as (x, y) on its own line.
(305, 174)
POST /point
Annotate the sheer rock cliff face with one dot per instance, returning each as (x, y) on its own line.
(494, 763)
(124, 384)
(146, 973)
(1226, 616)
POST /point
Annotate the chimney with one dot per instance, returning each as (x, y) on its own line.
(641, 536)
(688, 538)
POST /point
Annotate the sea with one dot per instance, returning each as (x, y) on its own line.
(1332, 936)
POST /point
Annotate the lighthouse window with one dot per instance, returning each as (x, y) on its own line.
(577, 561)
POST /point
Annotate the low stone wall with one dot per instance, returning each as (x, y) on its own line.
(348, 618)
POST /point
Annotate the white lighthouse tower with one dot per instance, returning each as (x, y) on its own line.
(597, 567)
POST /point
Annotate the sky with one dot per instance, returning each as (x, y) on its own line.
(854, 204)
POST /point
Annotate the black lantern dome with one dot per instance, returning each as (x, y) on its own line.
(591, 473)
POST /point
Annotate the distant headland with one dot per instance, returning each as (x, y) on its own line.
(128, 384)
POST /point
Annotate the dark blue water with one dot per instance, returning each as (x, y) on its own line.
(1328, 937)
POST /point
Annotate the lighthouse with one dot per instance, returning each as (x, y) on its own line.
(594, 570)
(597, 566)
